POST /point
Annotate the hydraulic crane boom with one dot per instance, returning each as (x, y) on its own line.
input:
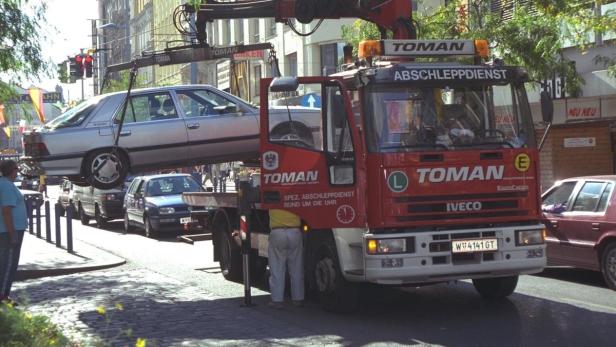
(393, 15)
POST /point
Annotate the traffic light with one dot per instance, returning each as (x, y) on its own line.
(87, 63)
(79, 66)
(63, 75)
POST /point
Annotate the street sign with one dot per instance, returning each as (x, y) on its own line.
(311, 100)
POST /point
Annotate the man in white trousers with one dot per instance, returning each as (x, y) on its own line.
(285, 253)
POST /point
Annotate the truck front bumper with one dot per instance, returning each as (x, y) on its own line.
(430, 259)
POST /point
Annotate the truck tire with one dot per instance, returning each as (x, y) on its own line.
(497, 287)
(608, 265)
(335, 293)
(230, 257)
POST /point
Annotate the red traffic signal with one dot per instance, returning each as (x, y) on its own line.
(88, 60)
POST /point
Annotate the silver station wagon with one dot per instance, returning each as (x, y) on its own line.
(163, 127)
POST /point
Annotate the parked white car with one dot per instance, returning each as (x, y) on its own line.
(163, 127)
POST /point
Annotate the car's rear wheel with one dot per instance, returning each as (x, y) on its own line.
(101, 221)
(106, 169)
(497, 287)
(83, 217)
(608, 265)
(127, 227)
(149, 231)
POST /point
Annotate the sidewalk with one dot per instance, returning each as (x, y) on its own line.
(41, 259)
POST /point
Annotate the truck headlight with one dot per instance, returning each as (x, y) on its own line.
(385, 246)
(166, 210)
(529, 237)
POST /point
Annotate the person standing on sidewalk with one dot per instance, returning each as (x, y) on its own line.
(285, 253)
(43, 185)
(13, 223)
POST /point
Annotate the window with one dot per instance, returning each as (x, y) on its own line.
(196, 103)
(605, 197)
(254, 31)
(149, 107)
(329, 59)
(293, 126)
(172, 186)
(256, 80)
(559, 195)
(341, 157)
(589, 197)
(291, 65)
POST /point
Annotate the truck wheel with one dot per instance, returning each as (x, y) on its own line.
(335, 293)
(608, 265)
(230, 258)
(83, 217)
(101, 221)
(497, 287)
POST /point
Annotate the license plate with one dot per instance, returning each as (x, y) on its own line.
(477, 245)
(185, 220)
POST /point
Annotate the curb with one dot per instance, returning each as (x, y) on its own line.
(40, 273)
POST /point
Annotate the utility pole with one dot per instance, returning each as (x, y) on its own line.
(193, 65)
(82, 79)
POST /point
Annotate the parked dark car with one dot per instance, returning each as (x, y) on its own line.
(154, 203)
(102, 205)
(580, 216)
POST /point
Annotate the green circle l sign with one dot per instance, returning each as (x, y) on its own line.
(397, 181)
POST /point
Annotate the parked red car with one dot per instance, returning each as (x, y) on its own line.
(580, 216)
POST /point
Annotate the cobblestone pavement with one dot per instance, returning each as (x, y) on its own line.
(155, 307)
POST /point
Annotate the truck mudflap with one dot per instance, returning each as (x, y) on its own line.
(440, 256)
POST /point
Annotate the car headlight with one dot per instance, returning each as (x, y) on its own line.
(166, 210)
(384, 246)
(529, 237)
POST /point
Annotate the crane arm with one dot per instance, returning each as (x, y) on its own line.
(393, 15)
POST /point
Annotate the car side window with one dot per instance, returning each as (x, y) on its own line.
(149, 107)
(588, 197)
(605, 197)
(200, 102)
(559, 195)
(133, 187)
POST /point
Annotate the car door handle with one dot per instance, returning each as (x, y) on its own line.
(595, 226)
(193, 126)
(125, 133)
(554, 224)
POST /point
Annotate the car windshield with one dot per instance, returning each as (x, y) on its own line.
(403, 118)
(74, 116)
(172, 186)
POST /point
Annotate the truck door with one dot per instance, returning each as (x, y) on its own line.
(309, 149)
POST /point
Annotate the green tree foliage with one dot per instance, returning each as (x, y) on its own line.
(20, 51)
(121, 83)
(533, 36)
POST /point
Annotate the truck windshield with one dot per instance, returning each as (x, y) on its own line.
(403, 118)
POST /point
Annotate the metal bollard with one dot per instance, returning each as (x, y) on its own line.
(47, 221)
(69, 227)
(38, 220)
(58, 227)
(30, 216)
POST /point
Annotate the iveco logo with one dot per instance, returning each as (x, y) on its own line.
(463, 206)
(465, 173)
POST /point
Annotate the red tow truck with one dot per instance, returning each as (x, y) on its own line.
(420, 172)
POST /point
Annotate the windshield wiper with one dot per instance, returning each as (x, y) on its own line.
(485, 143)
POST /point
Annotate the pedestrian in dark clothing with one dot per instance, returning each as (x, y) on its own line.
(13, 223)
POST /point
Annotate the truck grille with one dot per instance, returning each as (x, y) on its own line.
(461, 206)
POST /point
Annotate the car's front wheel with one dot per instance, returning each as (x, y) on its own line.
(127, 227)
(106, 169)
(83, 217)
(149, 231)
(608, 265)
(101, 221)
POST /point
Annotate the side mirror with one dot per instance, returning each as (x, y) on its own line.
(547, 107)
(284, 84)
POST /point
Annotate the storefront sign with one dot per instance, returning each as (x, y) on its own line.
(575, 142)
(250, 55)
(223, 75)
(581, 110)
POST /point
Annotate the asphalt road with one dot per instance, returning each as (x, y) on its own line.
(173, 294)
